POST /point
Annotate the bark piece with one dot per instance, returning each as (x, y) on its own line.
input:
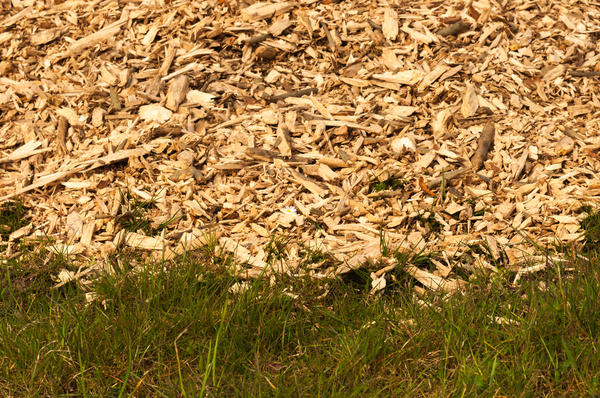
(484, 144)
(61, 134)
(454, 30)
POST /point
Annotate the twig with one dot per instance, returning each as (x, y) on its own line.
(584, 73)
(454, 192)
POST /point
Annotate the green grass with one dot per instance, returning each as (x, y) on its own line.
(13, 215)
(390, 183)
(133, 215)
(178, 330)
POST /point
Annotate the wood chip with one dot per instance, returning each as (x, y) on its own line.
(262, 10)
(178, 89)
(470, 102)
(390, 24)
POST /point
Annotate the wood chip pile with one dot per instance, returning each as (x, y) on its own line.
(449, 126)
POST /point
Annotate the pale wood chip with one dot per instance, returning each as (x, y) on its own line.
(139, 241)
(241, 253)
(390, 24)
(262, 10)
(309, 184)
(155, 113)
(426, 38)
(470, 102)
(434, 282)
(24, 151)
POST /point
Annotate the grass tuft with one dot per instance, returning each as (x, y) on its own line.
(390, 183)
(13, 215)
(591, 228)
